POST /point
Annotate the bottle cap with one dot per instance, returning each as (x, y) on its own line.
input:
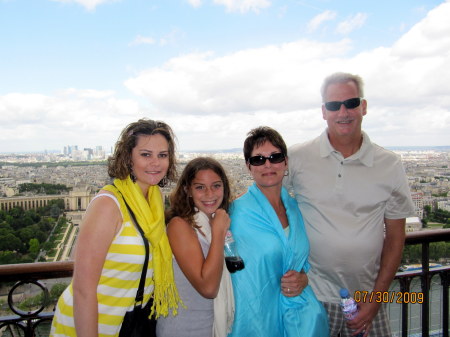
(343, 292)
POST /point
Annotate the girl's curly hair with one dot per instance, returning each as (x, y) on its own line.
(119, 164)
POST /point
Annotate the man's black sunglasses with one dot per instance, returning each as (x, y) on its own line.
(274, 158)
(349, 104)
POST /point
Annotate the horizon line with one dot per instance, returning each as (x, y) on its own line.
(230, 150)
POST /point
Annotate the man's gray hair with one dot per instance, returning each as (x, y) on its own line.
(342, 78)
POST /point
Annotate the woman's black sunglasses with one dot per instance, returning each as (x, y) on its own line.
(274, 158)
(348, 103)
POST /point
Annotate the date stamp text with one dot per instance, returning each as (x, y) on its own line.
(388, 296)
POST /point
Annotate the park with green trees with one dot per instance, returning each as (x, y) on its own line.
(48, 189)
(438, 216)
(25, 233)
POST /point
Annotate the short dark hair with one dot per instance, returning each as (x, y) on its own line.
(119, 164)
(258, 136)
(181, 204)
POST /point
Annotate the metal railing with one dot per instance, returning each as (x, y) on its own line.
(26, 322)
(424, 238)
(33, 273)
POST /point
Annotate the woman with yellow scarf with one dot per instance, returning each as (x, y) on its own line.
(110, 251)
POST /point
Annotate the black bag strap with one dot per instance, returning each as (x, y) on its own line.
(140, 291)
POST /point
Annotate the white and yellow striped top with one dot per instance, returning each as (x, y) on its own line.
(118, 283)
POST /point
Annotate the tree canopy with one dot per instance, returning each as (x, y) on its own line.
(43, 188)
(24, 233)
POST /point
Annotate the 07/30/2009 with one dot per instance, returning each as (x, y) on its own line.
(388, 296)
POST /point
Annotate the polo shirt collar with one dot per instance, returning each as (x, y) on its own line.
(365, 153)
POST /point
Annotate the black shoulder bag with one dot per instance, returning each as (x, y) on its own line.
(136, 322)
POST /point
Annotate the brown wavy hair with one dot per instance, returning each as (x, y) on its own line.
(119, 164)
(181, 204)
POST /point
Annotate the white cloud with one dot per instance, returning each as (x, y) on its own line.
(434, 27)
(172, 37)
(415, 70)
(138, 40)
(282, 12)
(195, 3)
(352, 23)
(69, 117)
(283, 81)
(18, 107)
(244, 6)
(282, 78)
(90, 5)
(86, 93)
(229, 131)
(212, 101)
(319, 19)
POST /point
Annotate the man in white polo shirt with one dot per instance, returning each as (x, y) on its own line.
(354, 197)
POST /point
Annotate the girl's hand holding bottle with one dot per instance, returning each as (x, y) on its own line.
(220, 223)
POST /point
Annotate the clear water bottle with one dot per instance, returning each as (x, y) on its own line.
(232, 259)
(349, 307)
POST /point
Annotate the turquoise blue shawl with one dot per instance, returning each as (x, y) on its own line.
(261, 309)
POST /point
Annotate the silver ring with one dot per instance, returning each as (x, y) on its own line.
(289, 290)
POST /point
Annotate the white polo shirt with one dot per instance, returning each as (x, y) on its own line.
(344, 202)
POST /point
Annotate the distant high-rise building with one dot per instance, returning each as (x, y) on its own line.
(71, 149)
(87, 153)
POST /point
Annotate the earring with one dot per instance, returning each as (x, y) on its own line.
(286, 173)
(164, 181)
(132, 177)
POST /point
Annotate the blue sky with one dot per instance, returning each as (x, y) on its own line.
(75, 72)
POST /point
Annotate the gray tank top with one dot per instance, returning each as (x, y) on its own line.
(197, 319)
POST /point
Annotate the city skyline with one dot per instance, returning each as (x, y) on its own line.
(78, 71)
(108, 151)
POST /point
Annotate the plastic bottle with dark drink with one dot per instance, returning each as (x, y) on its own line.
(232, 259)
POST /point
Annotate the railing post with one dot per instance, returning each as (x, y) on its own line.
(425, 278)
(445, 302)
(29, 328)
(405, 284)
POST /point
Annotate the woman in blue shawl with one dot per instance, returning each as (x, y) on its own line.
(270, 235)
